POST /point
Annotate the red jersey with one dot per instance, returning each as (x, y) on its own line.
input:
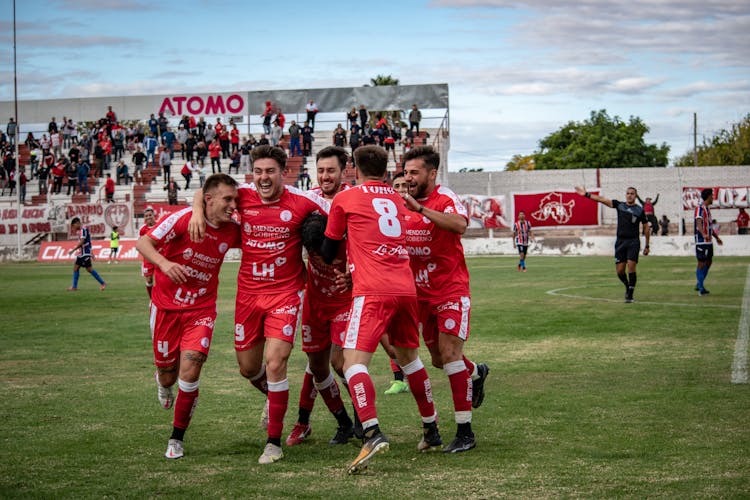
(373, 217)
(214, 150)
(144, 230)
(201, 260)
(234, 136)
(271, 239)
(522, 230)
(743, 219)
(218, 128)
(437, 256)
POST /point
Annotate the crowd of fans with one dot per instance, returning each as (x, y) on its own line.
(69, 154)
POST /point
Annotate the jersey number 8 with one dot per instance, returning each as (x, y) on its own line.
(388, 221)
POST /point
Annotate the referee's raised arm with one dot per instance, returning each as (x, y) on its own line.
(601, 199)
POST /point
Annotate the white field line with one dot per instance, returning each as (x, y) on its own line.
(559, 292)
(739, 363)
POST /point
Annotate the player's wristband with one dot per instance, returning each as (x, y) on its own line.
(421, 209)
(587, 195)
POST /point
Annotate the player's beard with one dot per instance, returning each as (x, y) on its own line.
(418, 191)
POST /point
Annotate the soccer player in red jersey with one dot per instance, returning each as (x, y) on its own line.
(183, 305)
(372, 217)
(434, 226)
(521, 237)
(270, 282)
(147, 268)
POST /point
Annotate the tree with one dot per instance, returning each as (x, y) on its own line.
(728, 147)
(382, 81)
(602, 142)
(521, 162)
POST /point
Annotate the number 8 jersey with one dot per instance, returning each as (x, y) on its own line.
(373, 218)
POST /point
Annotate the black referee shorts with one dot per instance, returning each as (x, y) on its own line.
(626, 250)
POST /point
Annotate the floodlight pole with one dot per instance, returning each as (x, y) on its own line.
(18, 135)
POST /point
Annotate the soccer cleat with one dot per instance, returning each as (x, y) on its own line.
(376, 444)
(460, 443)
(524, 269)
(102, 287)
(174, 449)
(264, 416)
(431, 439)
(397, 387)
(298, 434)
(519, 267)
(166, 396)
(342, 436)
(697, 288)
(271, 454)
(703, 292)
(71, 289)
(477, 395)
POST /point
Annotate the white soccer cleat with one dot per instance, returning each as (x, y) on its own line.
(264, 417)
(174, 449)
(271, 454)
(166, 396)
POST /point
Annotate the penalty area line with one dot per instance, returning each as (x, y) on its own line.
(559, 292)
(739, 362)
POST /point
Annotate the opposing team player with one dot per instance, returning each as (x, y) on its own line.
(372, 217)
(84, 257)
(270, 282)
(147, 268)
(521, 237)
(183, 307)
(704, 233)
(433, 237)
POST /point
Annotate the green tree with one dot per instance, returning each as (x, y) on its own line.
(602, 142)
(383, 80)
(728, 147)
(521, 162)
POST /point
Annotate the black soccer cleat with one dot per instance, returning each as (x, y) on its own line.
(461, 444)
(343, 435)
(431, 439)
(703, 292)
(477, 392)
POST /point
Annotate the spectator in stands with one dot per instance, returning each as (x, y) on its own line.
(182, 137)
(72, 131)
(58, 173)
(71, 172)
(201, 171)
(648, 210)
(107, 148)
(172, 189)
(169, 140)
(139, 159)
(165, 162)
(153, 125)
(74, 153)
(111, 116)
(42, 175)
(187, 172)
(389, 143)
(149, 144)
(267, 115)
(307, 139)
(303, 180)
(209, 134)
(109, 189)
(415, 116)
(664, 224)
(22, 180)
(52, 126)
(214, 152)
(263, 141)
(163, 124)
(82, 172)
(10, 130)
(200, 153)
(355, 140)
(189, 146)
(234, 162)
(223, 136)
(245, 157)
(363, 117)
(122, 172)
(56, 142)
(34, 157)
(294, 137)
(743, 219)
(312, 110)
(276, 133)
(351, 118)
(118, 143)
(234, 138)
(193, 126)
(339, 136)
(201, 125)
(282, 119)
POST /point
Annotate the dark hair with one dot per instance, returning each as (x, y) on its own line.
(313, 231)
(706, 193)
(273, 152)
(333, 151)
(371, 160)
(400, 174)
(213, 181)
(75, 220)
(429, 156)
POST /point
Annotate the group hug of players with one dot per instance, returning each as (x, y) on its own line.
(381, 266)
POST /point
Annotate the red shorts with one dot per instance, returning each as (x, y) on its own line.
(173, 332)
(448, 315)
(371, 316)
(323, 322)
(265, 316)
(147, 269)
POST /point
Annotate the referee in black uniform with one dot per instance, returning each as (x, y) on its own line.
(628, 243)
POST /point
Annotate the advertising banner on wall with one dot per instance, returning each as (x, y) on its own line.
(102, 217)
(556, 208)
(59, 251)
(485, 212)
(724, 197)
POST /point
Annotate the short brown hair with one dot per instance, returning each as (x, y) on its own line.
(371, 160)
(429, 156)
(213, 181)
(273, 152)
(333, 151)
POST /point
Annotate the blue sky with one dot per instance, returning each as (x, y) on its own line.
(517, 71)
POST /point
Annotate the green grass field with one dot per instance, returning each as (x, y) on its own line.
(587, 396)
